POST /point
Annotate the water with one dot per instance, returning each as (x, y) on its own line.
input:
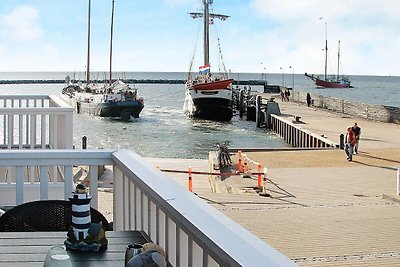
(380, 90)
(164, 131)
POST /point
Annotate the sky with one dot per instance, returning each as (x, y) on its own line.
(158, 35)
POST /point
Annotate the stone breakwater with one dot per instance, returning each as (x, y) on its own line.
(352, 108)
(150, 81)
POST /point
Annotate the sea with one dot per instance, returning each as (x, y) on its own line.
(164, 131)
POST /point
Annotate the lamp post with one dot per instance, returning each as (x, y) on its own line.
(264, 74)
(291, 67)
(283, 76)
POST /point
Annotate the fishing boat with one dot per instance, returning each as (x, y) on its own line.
(208, 96)
(330, 81)
(115, 99)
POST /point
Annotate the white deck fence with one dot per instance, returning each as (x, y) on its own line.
(25, 122)
(192, 232)
(33, 122)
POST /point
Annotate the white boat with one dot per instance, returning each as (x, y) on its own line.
(117, 99)
(208, 96)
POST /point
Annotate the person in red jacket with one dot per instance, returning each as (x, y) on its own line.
(350, 142)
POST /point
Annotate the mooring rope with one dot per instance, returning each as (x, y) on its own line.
(250, 160)
(211, 173)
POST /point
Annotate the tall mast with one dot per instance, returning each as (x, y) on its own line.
(206, 21)
(326, 51)
(338, 60)
(111, 39)
(88, 49)
(206, 31)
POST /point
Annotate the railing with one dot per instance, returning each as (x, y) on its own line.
(192, 232)
(297, 136)
(53, 170)
(35, 121)
(367, 111)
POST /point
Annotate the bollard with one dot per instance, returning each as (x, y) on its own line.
(265, 181)
(245, 167)
(264, 188)
(240, 167)
(259, 176)
(190, 179)
(84, 142)
(398, 181)
(258, 110)
(341, 141)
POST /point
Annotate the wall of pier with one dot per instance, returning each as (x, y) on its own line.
(360, 110)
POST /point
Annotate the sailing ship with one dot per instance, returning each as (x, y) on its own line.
(208, 96)
(330, 82)
(117, 99)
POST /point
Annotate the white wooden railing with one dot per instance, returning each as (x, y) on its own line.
(53, 171)
(297, 136)
(192, 232)
(25, 122)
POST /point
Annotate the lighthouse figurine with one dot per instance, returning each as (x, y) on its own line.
(83, 234)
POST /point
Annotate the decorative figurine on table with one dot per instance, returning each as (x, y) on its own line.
(148, 255)
(83, 234)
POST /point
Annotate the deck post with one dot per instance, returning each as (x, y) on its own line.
(398, 181)
(341, 141)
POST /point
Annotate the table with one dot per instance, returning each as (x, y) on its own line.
(28, 249)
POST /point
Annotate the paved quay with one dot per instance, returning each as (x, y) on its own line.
(322, 209)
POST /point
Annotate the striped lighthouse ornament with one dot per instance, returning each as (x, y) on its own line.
(80, 202)
(84, 234)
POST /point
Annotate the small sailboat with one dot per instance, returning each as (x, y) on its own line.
(116, 99)
(208, 96)
(330, 82)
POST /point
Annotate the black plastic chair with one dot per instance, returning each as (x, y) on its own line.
(44, 215)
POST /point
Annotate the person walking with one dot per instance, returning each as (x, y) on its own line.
(308, 98)
(350, 142)
(357, 132)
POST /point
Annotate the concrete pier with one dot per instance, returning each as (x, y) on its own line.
(322, 209)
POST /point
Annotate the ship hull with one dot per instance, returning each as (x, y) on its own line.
(132, 108)
(113, 109)
(329, 83)
(219, 109)
(209, 101)
(215, 85)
